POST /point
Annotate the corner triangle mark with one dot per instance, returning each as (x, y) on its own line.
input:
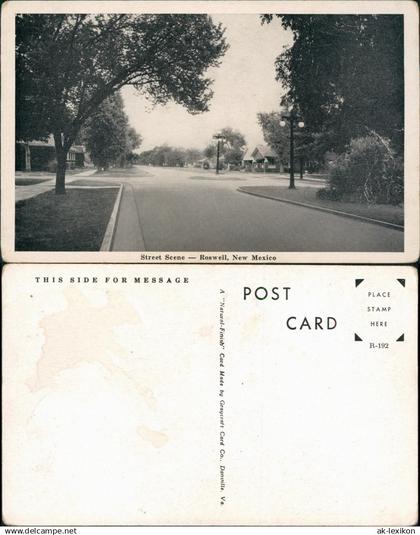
(401, 338)
(357, 338)
(358, 281)
(402, 282)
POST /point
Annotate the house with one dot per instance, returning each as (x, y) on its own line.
(77, 155)
(247, 159)
(40, 156)
(261, 158)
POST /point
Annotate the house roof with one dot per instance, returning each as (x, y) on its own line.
(248, 155)
(38, 143)
(265, 151)
(50, 143)
(258, 152)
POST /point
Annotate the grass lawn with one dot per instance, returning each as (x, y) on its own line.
(123, 172)
(88, 182)
(30, 181)
(382, 212)
(75, 221)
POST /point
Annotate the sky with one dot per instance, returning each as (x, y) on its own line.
(244, 84)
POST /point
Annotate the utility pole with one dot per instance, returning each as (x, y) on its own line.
(292, 118)
(292, 153)
(220, 139)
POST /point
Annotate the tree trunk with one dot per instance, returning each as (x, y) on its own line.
(60, 177)
(61, 157)
(27, 157)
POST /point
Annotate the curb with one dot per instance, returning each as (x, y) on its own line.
(110, 229)
(70, 186)
(329, 210)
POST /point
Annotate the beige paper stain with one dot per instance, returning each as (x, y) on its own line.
(84, 333)
(156, 438)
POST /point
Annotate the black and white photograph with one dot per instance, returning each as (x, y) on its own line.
(208, 134)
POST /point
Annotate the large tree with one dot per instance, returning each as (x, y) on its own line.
(164, 155)
(107, 135)
(192, 155)
(232, 149)
(133, 141)
(309, 147)
(66, 65)
(346, 75)
(276, 136)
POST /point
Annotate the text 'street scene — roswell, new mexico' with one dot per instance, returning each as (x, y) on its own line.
(212, 134)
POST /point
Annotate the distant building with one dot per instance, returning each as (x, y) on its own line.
(261, 158)
(247, 159)
(203, 163)
(40, 156)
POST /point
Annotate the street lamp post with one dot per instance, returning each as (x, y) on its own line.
(220, 139)
(292, 117)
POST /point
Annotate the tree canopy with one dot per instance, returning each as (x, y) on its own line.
(165, 155)
(276, 136)
(232, 149)
(67, 64)
(346, 75)
(308, 145)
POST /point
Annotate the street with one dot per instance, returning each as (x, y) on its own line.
(175, 209)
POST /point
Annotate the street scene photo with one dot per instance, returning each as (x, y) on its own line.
(209, 133)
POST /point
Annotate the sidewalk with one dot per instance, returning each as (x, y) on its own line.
(27, 192)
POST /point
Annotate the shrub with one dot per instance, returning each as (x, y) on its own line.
(369, 171)
(328, 194)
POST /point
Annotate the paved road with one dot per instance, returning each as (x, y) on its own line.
(194, 210)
